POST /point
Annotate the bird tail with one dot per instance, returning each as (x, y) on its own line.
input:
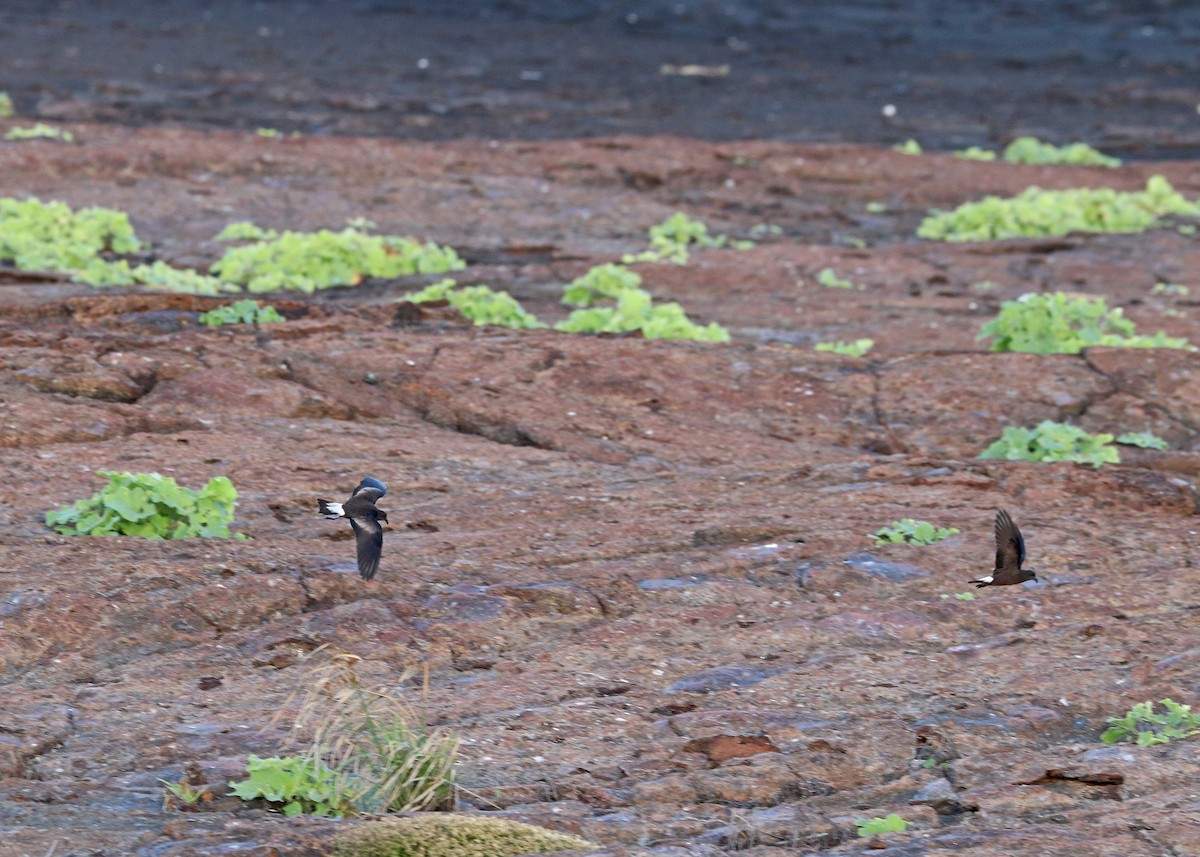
(332, 511)
(982, 582)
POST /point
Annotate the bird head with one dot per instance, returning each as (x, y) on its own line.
(371, 482)
(1028, 574)
(381, 515)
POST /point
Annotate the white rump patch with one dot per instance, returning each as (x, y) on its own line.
(987, 579)
(335, 508)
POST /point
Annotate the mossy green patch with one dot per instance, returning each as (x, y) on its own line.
(49, 236)
(635, 310)
(1037, 213)
(445, 835)
(40, 131)
(308, 261)
(1031, 150)
(480, 304)
(1057, 323)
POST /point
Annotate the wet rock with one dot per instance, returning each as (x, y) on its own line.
(939, 794)
(548, 599)
(234, 393)
(894, 572)
(661, 583)
(729, 534)
(466, 604)
(789, 826)
(723, 678)
(893, 625)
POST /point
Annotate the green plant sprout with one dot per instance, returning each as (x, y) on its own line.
(1051, 441)
(40, 131)
(636, 310)
(670, 240)
(601, 281)
(269, 133)
(446, 835)
(827, 278)
(1058, 323)
(1031, 150)
(184, 794)
(307, 261)
(298, 784)
(1037, 213)
(241, 312)
(149, 506)
(857, 348)
(6, 106)
(908, 147)
(480, 304)
(1143, 439)
(876, 207)
(909, 531)
(1169, 289)
(874, 826)
(975, 153)
(1146, 727)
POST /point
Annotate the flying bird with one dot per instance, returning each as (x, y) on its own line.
(364, 519)
(1010, 554)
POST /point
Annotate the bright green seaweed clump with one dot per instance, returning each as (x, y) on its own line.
(241, 312)
(602, 281)
(49, 236)
(857, 348)
(1051, 441)
(635, 310)
(1058, 323)
(1031, 150)
(40, 131)
(308, 261)
(445, 835)
(149, 506)
(480, 304)
(1036, 213)
(909, 531)
(670, 240)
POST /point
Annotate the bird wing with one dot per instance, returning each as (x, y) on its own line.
(368, 534)
(367, 493)
(1010, 546)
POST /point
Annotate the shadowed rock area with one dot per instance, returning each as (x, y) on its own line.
(639, 572)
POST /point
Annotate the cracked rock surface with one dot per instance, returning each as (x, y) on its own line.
(639, 572)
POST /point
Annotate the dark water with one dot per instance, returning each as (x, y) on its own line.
(1124, 76)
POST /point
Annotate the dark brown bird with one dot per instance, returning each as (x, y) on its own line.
(1010, 554)
(364, 519)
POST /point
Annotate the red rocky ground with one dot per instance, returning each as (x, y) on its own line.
(638, 572)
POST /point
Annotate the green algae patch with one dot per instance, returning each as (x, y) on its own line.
(1036, 213)
(444, 835)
